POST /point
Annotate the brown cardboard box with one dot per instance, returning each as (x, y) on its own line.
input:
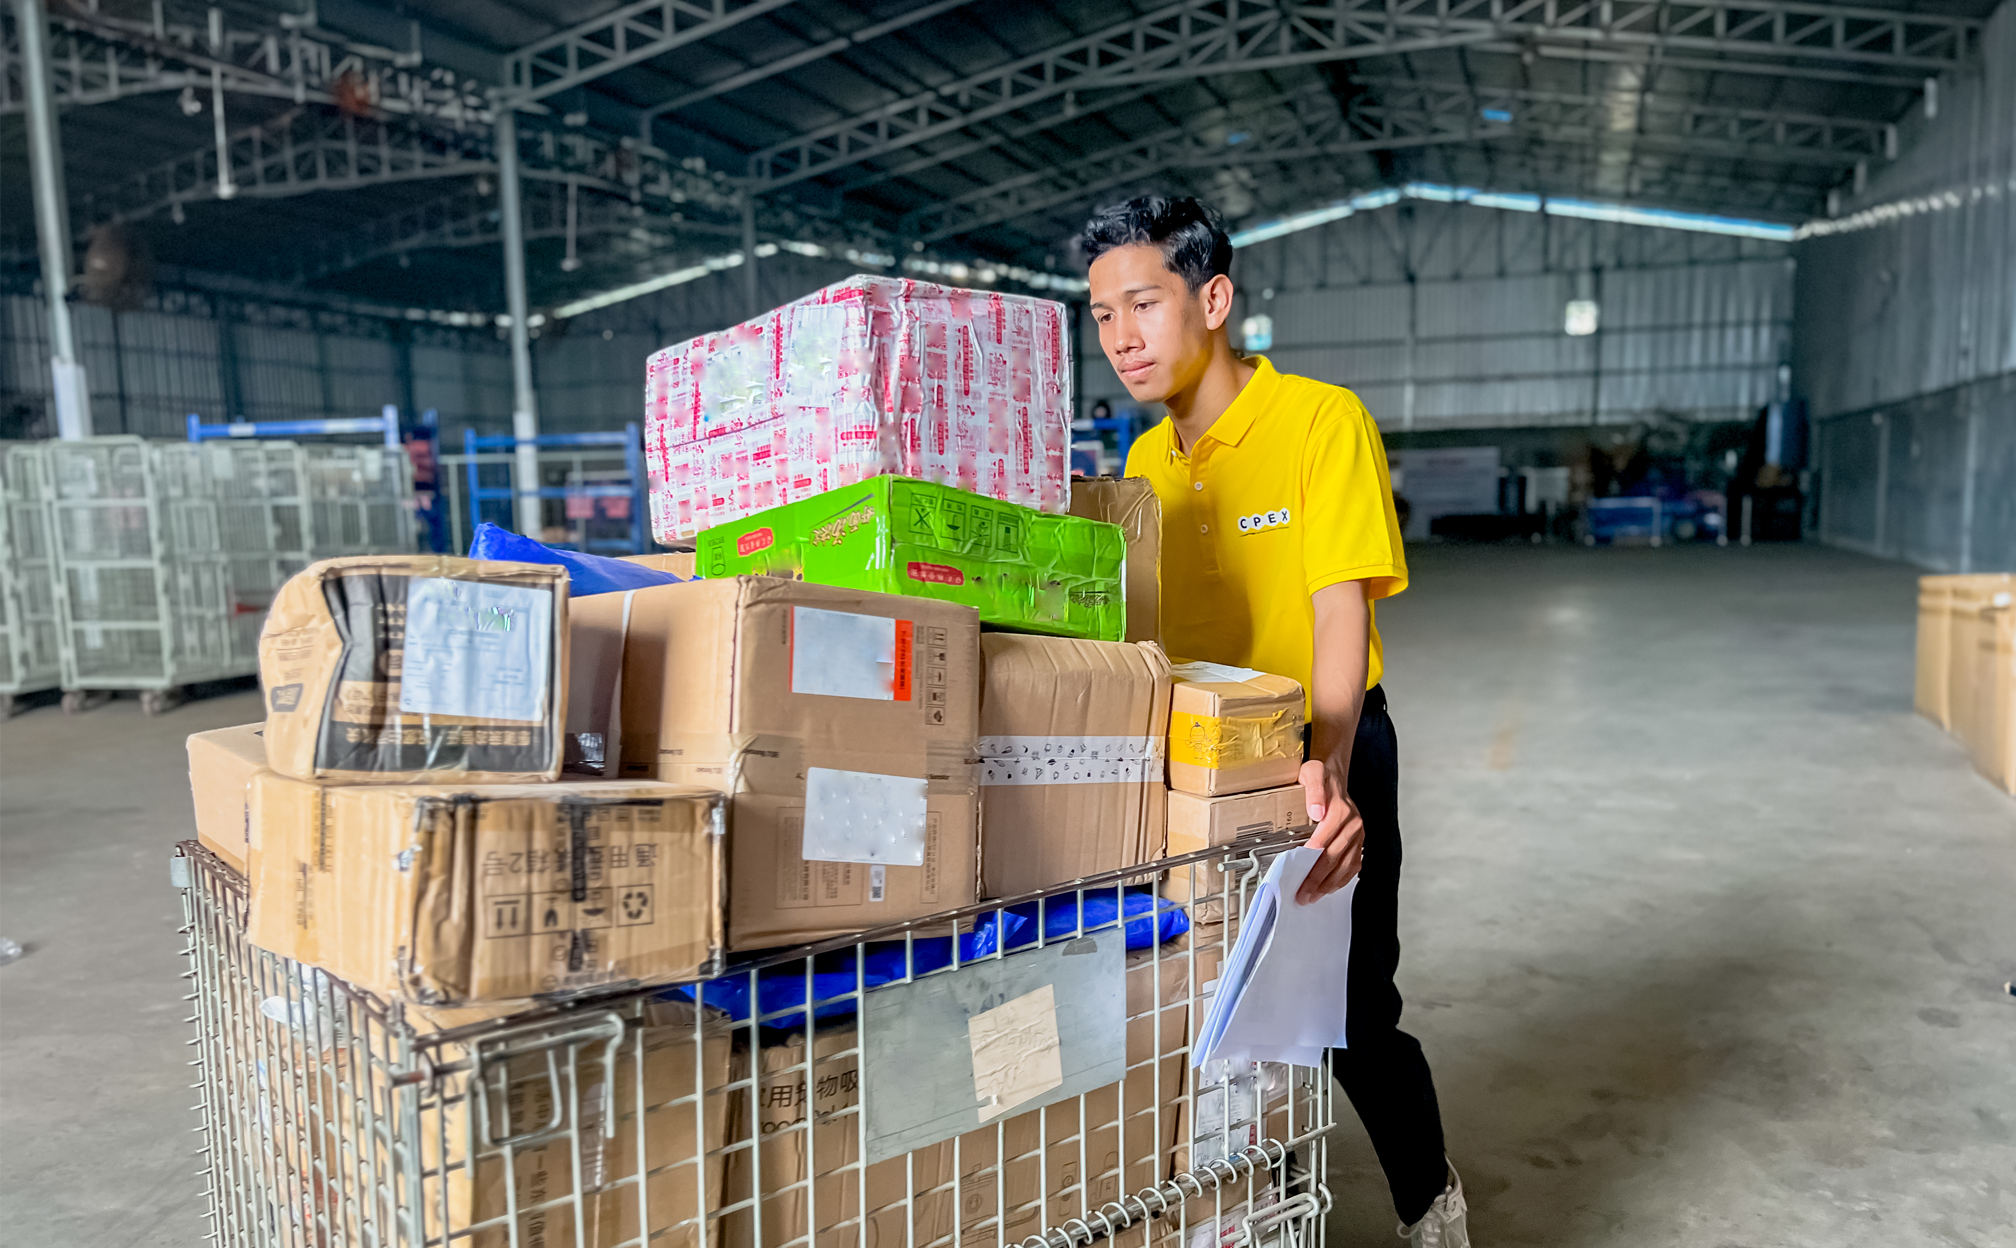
(1233, 730)
(1981, 689)
(783, 1099)
(1072, 735)
(417, 669)
(676, 1065)
(1935, 646)
(1076, 1172)
(1201, 822)
(784, 694)
(222, 763)
(680, 563)
(448, 894)
(1130, 502)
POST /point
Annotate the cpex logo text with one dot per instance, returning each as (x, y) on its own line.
(1263, 520)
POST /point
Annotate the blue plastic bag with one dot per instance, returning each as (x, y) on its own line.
(586, 574)
(833, 975)
(1060, 919)
(782, 988)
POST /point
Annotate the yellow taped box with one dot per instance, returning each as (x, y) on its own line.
(1130, 502)
(222, 763)
(446, 895)
(1072, 735)
(1932, 688)
(811, 705)
(1232, 729)
(400, 669)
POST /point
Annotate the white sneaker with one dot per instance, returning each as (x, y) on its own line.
(1447, 1222)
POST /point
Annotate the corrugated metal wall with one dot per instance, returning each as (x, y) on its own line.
(1691, 324)
(1906, 335)
(1444, 316)
(191, 352)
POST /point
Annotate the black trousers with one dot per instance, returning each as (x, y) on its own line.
(1384, 1071)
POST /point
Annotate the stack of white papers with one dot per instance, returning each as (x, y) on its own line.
(1281, 995)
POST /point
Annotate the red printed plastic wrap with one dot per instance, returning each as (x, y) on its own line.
(870, 376)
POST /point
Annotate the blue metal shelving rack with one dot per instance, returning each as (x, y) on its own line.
(636, 489)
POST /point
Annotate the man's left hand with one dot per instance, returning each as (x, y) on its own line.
(1340, 834)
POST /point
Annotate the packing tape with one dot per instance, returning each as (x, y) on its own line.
(1070, 760)
(1218, 742)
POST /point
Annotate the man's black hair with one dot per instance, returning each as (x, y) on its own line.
(1192, 238)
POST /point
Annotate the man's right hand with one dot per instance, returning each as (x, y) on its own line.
(1340, 833)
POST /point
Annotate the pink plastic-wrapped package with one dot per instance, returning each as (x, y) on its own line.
(872, 375)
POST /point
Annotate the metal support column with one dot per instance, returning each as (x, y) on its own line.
(750, 294)
(52, 222)
(524, 403)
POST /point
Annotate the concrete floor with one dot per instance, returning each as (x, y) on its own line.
(1706, 932)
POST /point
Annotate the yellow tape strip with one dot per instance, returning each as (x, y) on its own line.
(1229, 741)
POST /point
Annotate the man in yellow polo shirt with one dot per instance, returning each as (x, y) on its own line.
(1278, 535)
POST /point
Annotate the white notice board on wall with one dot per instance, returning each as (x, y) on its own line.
(1446, 481)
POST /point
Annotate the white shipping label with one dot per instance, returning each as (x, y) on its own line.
(1016, 1053)
(1070, 760)
(859, 816)
(843, 655)
(476, 649)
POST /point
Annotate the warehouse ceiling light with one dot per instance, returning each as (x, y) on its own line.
(986, 273)
(1897, 210)
(1622, 214)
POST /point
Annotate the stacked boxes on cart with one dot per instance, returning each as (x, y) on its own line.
(472, 789)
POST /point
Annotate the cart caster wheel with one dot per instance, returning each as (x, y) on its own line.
(1589, 541)
(159, 701)
(75, 701)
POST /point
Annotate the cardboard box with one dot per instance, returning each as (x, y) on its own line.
(1981, 688)
(1201, 822)
(870, 376)
(417, 669)
(783, 1098)
(1072, 735)
(1935, 647)
(1055, 1171)
(676, 1065)
(677, 562)
(1130, 502)
(222, 763)
(1232, 729)
(448, 894)
(1021, 569)
(811, 705)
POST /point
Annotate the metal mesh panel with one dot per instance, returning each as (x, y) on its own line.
(332, 1119)
(32, 658)
(145, 597)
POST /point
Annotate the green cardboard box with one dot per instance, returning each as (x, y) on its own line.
(1025, 570)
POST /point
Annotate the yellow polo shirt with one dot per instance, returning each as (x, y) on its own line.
(1286, 494)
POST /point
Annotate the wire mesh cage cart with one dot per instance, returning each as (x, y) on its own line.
(143, 593)
(30, 654)
(1002, 1076)
(263, 524)
(360, 499)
